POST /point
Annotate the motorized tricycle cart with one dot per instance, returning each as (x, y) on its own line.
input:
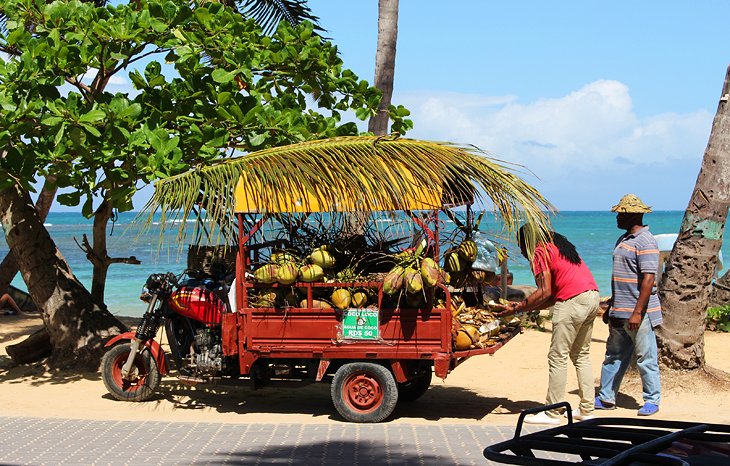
(343, 312)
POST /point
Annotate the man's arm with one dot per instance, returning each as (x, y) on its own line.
(645, 287)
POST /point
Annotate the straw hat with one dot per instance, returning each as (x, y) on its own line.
(631, 204)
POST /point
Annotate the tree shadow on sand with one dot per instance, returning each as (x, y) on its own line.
(39, 374)
(314, 399)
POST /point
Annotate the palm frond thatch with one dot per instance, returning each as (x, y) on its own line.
(268, 13)
(364, 171)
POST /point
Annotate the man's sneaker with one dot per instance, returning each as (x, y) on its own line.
(600, 404)
(542, 418)
(577, 416)
(648, 409)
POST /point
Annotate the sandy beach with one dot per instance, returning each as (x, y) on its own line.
(485, 389)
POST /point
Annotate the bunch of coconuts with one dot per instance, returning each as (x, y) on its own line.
(285, 268)
(458, 264)
(412, 273)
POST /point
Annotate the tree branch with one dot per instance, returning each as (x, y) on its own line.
(86, 247)
(124, 260)
(85, 90)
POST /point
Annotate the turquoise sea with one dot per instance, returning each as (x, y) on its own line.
(593, 233)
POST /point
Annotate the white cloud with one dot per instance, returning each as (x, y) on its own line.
(119, 81)
(591, 130)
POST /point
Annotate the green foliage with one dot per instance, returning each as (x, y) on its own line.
(718, 318)
(206, 83)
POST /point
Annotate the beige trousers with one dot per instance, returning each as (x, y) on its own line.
(572, 328)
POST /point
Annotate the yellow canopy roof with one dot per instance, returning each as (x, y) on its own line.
(250, 193)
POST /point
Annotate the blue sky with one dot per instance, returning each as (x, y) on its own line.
(597, 99)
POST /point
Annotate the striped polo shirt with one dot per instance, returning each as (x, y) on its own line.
(634, 255)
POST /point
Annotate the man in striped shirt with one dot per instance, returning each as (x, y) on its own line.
(635, 309)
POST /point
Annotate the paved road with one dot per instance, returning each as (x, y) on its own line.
(38, 441)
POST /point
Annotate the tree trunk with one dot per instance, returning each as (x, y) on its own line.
(76, 326)
(385, 63)
(688, 276)
(99, 256)
(34, 348)
(720, 294)
(9, 266)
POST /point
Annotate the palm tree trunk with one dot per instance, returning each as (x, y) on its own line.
(687, 280)
(77, 327)
(385, 63)
(9, 266)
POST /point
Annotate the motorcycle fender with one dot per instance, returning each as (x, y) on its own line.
(158, 354)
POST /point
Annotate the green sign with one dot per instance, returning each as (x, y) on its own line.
(360, 324)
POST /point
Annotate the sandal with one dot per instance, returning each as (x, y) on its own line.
(600, 404)
(648, 409)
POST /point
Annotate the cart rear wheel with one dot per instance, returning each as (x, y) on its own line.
(416, 387)
(364, 392)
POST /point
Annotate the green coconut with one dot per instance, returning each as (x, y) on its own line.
(393, 281)
(413, 281)
(316, 304)
(265, 300)
(287, 273)
(279, 257)
(468, 250)
(359, 299)
(454, 263)
(266, 273)
(429, 272)
(341, 298)
(311, 273)
(322, 258)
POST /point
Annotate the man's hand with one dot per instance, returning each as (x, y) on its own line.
(606, 307)
(634, 321)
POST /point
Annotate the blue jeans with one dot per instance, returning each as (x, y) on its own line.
(620, 346)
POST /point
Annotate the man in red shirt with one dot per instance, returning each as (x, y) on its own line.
(565, 283)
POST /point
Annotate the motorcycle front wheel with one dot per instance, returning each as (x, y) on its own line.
(143, 379)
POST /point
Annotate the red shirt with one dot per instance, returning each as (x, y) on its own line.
(567, 279)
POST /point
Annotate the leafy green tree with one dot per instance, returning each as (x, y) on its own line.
(207, 83)
(267, 13)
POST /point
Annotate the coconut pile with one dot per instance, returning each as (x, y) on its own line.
(410, 282)
(478, 327)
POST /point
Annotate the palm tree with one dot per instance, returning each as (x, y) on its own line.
(268, 13)
(385, 63)
(371, 173)
(687, 280)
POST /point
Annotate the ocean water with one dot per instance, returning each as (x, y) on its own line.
(593, 233)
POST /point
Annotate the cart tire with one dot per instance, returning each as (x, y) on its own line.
(146, 375)
(415, 388)
(364, 392)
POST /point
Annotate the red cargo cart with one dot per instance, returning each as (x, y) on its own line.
(373, 355)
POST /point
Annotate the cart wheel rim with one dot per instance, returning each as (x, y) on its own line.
(137, 377)
(363, 392)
